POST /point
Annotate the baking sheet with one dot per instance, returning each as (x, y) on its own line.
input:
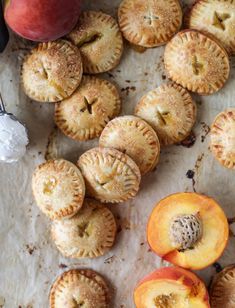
(29, 261)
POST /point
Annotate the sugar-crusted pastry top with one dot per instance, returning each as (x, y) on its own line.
(99, 39)
(216, 17)
(90, 233)
(223, 138)
(136, 138)
(110, 175)
(170, 110)
(58, 188)
(52, 71)
(84, 114)
(196, 62)
(149, 23)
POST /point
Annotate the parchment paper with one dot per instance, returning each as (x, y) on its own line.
(29, 261)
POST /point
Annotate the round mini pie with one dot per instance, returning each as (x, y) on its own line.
(58, 188)
(52, 71)
(83, 115)
(216, 17)
(100, 41)
(223, 138)
(90, 233)
(149, 23)
(170, 110)
(222, 288)
(110, 175)
(79, 288)
(196, 62)
(134, 137)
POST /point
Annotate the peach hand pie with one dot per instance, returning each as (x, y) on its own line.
(58, 188)
(172, 287)
(79, 288)
(216, 17)
(170, 110)
(134, 137)
(196, 62)
(222, 288)
(149, 23)
(99, 40)
(223, 138)
(83, 115)
(52, 71)
(90, 233)
(110, 175)
(188, 230)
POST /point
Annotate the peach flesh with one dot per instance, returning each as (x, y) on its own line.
(177, 285)
(215, 230)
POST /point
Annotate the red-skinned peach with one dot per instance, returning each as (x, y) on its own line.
(171, 287)
(42, 20)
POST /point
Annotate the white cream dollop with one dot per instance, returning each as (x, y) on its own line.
(13, 139)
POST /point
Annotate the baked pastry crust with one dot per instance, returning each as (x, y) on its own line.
(134, 137)
(196, 62)
(223, 138)
(99, 39)
(77, 288)
(52, 71)
(90, 233)
(58, 188)
(222, 288)
(151, 23)
(216, 17)
(83, 115)
(170, 110)
(110, 175)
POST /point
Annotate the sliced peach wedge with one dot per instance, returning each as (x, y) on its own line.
(171, 287)
(188, 230)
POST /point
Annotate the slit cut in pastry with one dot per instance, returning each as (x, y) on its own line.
(196, 62)
(79, 288)
(110, 175)
(52, 71)
(170, 110)
(149, 23)
(84, 115)
(215, 17)
(136, 138)
(223, 138)
(90, 233)
(58, 188)
(99, 40)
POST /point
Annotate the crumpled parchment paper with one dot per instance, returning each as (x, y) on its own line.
(29, 261)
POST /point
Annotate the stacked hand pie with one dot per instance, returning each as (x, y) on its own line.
(86, 107)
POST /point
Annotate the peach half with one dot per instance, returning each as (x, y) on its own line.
(188, 230)
(171, 287)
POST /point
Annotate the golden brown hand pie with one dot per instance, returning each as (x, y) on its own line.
(84, 114)
(90, 233)
(216, 17)
(222, 288)
(149, 23)
(110, 175)
(170, 110)
(79, 288)
(52, 71)
(223, 138)
(196, 62)
(99, 39)
(134, 137)
(58, 188)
